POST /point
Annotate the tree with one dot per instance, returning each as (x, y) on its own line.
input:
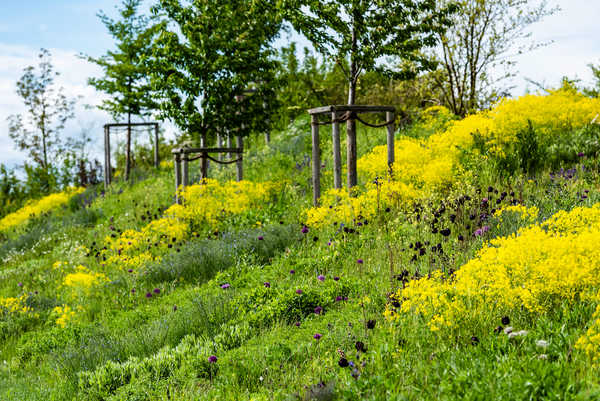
(359, 34)
(126, 73)
(48, 109)
(208, 52)
(595, 90)
(479, 43)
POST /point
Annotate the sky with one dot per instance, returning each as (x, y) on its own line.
(71, 27)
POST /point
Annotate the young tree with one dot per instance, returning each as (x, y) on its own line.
(594, 91)
(479, 45)
(48, 109)
(126, 73)
(359, 34)
(208, 52)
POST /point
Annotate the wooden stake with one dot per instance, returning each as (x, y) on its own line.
(177, 160)
(337, 157)
(391, 128)
(156, 156)
(316, 160)
(240, 162)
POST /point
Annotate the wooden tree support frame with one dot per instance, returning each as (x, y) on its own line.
(107, 166)
(342, 113)
(182, 157)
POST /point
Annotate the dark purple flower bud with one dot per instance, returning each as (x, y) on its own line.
(581, 154)
(20, 284)
(148, 295)
(174, 308)
(292, 271)
(297, 324)
(338, 298)
(505, 320)
(317, 336)
(212, 359)
(130, 270)
(359, 261)
(474, 340)
(133, 290)
(304, 230)
(298, 291)
(343, 362)
(336, 278)
(267, 284)
(321, 277)
(260, 238)
(157, 290)
(371, 324)
(318, 310)
(225, 286)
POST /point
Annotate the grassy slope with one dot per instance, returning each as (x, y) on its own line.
(133, 348)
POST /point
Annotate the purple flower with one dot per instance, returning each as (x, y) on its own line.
(133, 290)
(157, 290)
(260, 238)
(338, 299)
(317, 336)
(225, 286)
(321, 277)
(174, 308)
(298, 291)
(267, 284)
(148, 295)
(485, 229)
(292, 271)
(336, 278)
(130, 270)
(212, 359)
(304, 230)
(329, 243)
(318, 310)
(20, 284)
(359, 261)
(478, 232)
(297, 324)
(581, 154)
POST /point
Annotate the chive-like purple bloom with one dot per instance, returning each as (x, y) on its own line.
(148, 295)
(359, 261)
(298, 291)
(260, 238)
(318, 310)
(304, 230)
(157, 290)
(225, 286)
(317, 336)
(292, 271)
(212, 359)
(297, 324)
(321, 277)
(336, 278)
(267, 284)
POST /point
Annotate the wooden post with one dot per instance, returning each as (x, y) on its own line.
(219, 145)
(186, 172)
(156, 156)
(105, 160)
(391, 128)
(240, 162)
(177, 176)
(108, 166)
(267, 132)
(337, 157)
(316, 160)
(351, 153)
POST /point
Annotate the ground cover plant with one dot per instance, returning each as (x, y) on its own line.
(469, 273)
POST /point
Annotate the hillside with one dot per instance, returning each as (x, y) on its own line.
(473, 272)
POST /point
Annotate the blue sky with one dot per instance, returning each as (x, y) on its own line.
(70, 27)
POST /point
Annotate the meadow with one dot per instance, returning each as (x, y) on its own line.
(472, 272)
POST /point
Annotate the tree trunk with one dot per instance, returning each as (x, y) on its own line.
(128, 148)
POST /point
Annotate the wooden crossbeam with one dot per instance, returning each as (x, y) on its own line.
(354, 108)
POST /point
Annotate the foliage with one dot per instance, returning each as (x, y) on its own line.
(48, 109)
(206, 54)
(479, 43)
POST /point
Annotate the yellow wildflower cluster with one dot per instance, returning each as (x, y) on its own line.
(205, 205)
(210, 202)
(36, 208)
(63, 315)
(527, 214)
(14, 305)
(537, 268)
(424, 166)
(83, 280)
